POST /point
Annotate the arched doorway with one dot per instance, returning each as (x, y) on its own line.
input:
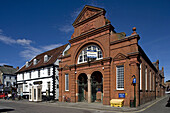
(82, 88)
(96, 87)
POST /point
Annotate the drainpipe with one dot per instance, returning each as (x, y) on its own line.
(155, 85)
(139, 82)
(53, 82)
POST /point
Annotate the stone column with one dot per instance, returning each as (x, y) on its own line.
(89, 88)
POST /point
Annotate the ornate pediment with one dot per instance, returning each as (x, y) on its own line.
(87, 12)
(119, 56)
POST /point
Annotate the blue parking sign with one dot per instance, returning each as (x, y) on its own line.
(134, 80)
(121, 95)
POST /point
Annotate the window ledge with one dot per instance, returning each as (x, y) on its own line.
(120, 89)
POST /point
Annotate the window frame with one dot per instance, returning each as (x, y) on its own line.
(140, 69)
(117, 83)
(49, 71)
(30, 75)
(83, 54)
(66, 80)
(146, 79)
(39, 73)
(150, 81)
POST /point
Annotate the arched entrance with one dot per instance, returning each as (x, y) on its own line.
(82, 88)
(96, 87)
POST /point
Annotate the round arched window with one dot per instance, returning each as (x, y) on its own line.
(84, 56)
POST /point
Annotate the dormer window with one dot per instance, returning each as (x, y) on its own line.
(27, 64)
(35, 61)
(46, 58)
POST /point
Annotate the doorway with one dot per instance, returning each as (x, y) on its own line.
(96, 87)
(82, 86)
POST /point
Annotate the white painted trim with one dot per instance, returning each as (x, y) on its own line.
(140, 76)
(117, 80)
(68, 82)
(146, 79)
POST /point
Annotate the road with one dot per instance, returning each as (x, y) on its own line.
(159, 107)
(21, 107)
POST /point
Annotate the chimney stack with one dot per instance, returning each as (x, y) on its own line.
(17, 67)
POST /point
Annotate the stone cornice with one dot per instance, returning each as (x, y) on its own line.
(125, 39)
(66, 56)
(107, 59)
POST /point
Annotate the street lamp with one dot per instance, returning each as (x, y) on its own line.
(134, 84)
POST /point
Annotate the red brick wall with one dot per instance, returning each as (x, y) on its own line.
(118, 53)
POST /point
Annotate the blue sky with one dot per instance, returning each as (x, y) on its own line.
(30, 27)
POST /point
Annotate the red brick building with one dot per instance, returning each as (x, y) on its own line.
(101, 64)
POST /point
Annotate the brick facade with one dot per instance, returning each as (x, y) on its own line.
(92, 28)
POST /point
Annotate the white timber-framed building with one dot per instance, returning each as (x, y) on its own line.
(41, 71)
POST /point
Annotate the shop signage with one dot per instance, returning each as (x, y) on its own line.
(91, 54)
(121, 95)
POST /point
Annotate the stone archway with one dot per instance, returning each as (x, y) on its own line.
(82, 88)
(96, 87)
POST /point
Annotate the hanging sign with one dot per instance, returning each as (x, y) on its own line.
(91, 54)
(134, 80)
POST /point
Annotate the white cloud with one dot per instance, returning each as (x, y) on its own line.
(23, 42)
(66, 28)
(52, 46)
(30, 51)
(1, 31)
(9, 40)
(1, 64)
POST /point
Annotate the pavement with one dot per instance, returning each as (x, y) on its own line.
(89, 106)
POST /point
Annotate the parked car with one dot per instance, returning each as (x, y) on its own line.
(3, 95)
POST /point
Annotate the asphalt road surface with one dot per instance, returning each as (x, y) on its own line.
(21, 107)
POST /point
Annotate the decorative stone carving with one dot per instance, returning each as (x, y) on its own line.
(87, 14)
(86, 27)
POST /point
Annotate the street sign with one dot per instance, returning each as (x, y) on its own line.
(91, 54)
(121, 95)
(134, 80)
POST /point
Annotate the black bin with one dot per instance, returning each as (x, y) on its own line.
(131, 103)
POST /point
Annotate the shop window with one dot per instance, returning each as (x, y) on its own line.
(120, 77)
(66, 82)
(83, 55)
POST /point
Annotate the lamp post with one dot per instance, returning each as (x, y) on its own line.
(134, 84)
